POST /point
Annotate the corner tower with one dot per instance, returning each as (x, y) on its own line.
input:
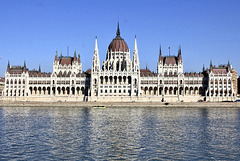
(95, 71)
(135, 59)
(95, 60)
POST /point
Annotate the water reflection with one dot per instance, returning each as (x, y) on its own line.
(119, 133)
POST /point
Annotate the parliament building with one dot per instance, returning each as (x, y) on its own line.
(120, 79)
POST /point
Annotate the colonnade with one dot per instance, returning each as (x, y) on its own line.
(115, 80)
(15, 92)
(154, 91)
(15, 87)
(58, 91)
(220, 87)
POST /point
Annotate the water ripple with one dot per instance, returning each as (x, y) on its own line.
(119, 133)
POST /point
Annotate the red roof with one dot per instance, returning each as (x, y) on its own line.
(170, 60)
(219, 71)
(193, 74)
(65, 60)
(16, 70)
(34, 73)
(146, 73)
(118, 44)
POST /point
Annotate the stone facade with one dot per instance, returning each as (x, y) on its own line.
(120, 79)
(221, 83)
(2, 82)
(235, 81)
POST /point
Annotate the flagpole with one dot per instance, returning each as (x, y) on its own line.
(169, 50)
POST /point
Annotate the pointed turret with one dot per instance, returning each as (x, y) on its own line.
(56, 56)
(211, 67)
(203, 69)
(229, 67)
(160, 54)
(96, 45)
(75, 56)
(160, 60)
(79, 61)
(24, 67)
(180, 53)
(39, 70)
(135, 44)
(96, 60)
(8, 66)
(118, 30)
(135, 60)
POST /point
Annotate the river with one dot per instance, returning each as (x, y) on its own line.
(83, 133)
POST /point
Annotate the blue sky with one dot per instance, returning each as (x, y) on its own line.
(32, 30)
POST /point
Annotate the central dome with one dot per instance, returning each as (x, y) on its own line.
(118, 43)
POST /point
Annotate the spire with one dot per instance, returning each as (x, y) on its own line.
(179, 50)
(56, 55)
(180, 53)
(118, 30)
(79, 61)
(61, 54)
(211, 67)
(39, 70)
(135, 43)
(75, 56)
(228, 63)
(67, 50)
(8, 67)
(203, 69)
(96, 45)
(169, 50)
(24, 67)
(135, 60)
(160, 54)
(96, 60)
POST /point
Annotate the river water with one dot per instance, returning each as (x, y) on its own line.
(77, 133)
